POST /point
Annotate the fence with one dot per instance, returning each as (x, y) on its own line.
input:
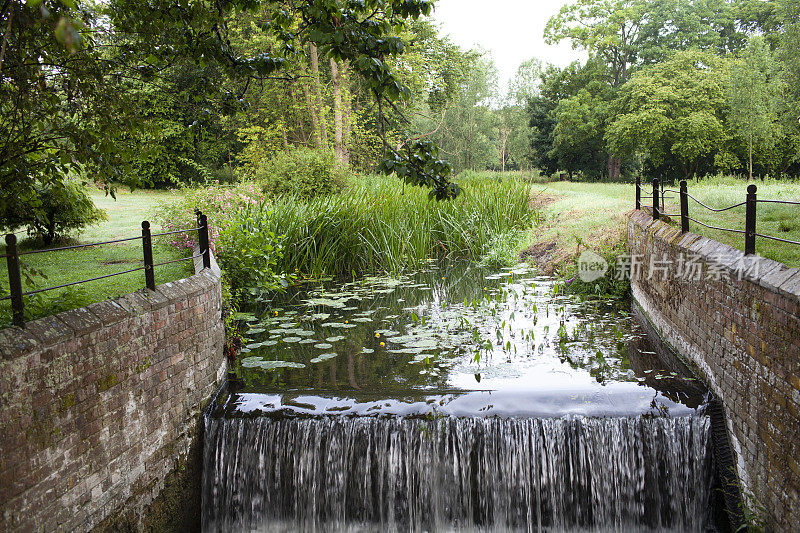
(12, 256)
(750, 203)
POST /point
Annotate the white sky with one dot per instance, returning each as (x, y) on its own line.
(512, 30)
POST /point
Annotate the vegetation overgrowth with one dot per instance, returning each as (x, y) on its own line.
(375, 223)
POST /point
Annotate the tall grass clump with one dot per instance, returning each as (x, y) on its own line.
(377, 223)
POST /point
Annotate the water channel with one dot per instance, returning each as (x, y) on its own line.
(454, 398)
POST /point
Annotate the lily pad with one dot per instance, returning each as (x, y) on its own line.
(308, 341)
(257, 362)
(292, 339)
(341, 325)
(253, 331)
(323, 346)
(367, 350)
(323, 357)
(336, 338)
(362, 319)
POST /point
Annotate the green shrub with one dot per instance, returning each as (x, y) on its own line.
(59, 208)
(304, 172)
(377, 223)
(249, 251)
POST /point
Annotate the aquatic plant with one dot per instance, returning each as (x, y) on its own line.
(377, 223)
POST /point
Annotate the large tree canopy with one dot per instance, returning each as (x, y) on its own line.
(67, 71)
(671, 113)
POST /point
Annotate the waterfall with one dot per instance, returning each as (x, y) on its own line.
(450, 474)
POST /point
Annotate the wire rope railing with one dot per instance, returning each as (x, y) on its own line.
(13, 254)
(750, 203)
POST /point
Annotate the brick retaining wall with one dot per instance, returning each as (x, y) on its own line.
(738, 324)
(99, 405)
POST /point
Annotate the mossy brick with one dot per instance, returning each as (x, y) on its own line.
(81, 321)
(109, 312)
(49, 330)
(134, 304)
(15, 342)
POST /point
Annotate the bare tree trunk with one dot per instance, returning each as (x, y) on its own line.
(319, 107)
(614, 167)
(314, 118)
(338, 121)
(347, 112)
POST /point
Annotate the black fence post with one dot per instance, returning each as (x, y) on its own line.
(750, 221)
(638, 192)
(204, 247)
(655, 199)
(147, 245)
(684, 207)
(15, 281)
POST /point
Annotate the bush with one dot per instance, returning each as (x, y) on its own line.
(221, 205)
(249, 251)
(58, 209)
(303, 172)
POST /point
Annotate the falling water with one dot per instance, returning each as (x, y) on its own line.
(444, 474)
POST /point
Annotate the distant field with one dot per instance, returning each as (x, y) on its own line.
(592, 214)
(125, 217)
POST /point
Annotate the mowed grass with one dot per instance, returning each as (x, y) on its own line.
(578, 216)
(125, 217)
(776, 220)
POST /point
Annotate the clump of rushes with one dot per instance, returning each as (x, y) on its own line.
(379, 224)
(375, 224)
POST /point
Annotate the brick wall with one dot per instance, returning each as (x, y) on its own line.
(738, 323)
(99, 405)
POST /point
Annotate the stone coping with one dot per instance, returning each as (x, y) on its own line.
(771, 275)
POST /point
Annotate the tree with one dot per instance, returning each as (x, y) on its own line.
(750, 96)
(55, 107)
(671, 113)
(63, 110)
(62, 208)
(542, 124)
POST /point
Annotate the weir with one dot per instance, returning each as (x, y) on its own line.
(427, 474)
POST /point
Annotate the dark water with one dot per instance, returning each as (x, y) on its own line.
(453, 399)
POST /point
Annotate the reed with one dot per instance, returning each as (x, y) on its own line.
(377, 223)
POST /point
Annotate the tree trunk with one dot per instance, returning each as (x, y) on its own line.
(614, 167)
(314, 118)
(347, 111)
(338, 120)
(322, 137)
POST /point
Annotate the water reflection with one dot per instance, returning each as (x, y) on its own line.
(453, 329)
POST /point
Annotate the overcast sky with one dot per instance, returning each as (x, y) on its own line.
(512, 30)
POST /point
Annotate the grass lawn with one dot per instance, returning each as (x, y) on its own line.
(125, 218)
(782, 221)
(577, 216)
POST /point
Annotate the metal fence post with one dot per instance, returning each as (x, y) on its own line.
(15, 281)
(663, 196)
(684, 207)
(147, 245)
(750, 221)
(655, 199)
(204, 246)
(638, 192)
